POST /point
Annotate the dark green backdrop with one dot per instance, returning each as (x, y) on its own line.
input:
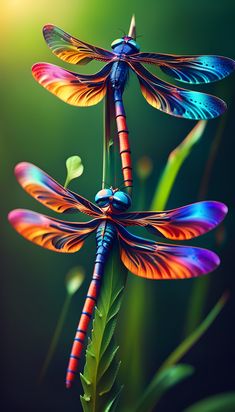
(37, 127)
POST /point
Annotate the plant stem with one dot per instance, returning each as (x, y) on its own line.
(55, 338)
(201, 286)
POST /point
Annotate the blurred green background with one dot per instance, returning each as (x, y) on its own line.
(37, 127)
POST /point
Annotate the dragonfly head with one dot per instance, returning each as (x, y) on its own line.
(113, 198)
(134, 47)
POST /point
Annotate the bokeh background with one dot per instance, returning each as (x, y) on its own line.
(37, 127)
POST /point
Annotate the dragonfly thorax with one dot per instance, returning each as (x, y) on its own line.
(116, 199)
(126, 45)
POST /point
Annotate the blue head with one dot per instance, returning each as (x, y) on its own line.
(126, 44)
(116, 199)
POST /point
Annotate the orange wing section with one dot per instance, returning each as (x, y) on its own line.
(72, 88)
(153, 260)
(51, 194)
(183, 223)
(72, 50)
(49, 233)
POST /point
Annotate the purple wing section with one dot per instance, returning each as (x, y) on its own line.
(72, 50)
(153, 260)
(189, 69)
(178, 224)
(50, 193)
(177, 101)
(49, 233)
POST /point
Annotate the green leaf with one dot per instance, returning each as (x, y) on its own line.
(174, 163)
(153, 392)
(74, 280)
(201, 286)
(74, 169)
(224, 402)
(184, 347)
(101, 391)
(161, 383)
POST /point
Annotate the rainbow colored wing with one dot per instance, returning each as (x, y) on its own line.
(177, 101)
(153, 260)
(72, 50)
(50, 193)
(75, 89)
(50, 233)
(178, 224)
(189, 69)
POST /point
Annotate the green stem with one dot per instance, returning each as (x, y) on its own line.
(66, 183)
(183, 348)
(169, 373)
(132, 324)
(211, 158)
(201, 286)
(55, 338)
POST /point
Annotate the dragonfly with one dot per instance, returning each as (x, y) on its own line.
(142, 257)
(87, 90)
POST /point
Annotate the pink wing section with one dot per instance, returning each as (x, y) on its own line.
(72, 50)
(50, 193)
(49, 233)
(72, 88)
(152, 260)
(178, 224)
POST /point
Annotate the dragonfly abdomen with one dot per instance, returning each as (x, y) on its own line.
(105, 236)
(123, 138)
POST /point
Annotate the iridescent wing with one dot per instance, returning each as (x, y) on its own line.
(177, 101)
(50, 233)
(72, 50)
(178, 224)
(75, 89)
(153, 260)
(188, 69)
(50, 193)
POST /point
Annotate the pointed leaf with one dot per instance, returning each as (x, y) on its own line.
(224, 402)
(187, 344)
(162, 382)
(112, 405)
(101, 391)
(153, 392)
(174, 163)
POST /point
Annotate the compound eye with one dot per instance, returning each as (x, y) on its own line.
(134, 44)
(121, 201)
(116, 42)
(103, 197)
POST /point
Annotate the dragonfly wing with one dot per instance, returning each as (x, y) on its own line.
(75, 89)
(177, 101)
(178, 224)
(50, 193)
(72, 50)
(189, 69)
(50, 233)
(153, 260)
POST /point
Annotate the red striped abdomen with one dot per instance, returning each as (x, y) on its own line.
(123, 137)
(80, 336)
